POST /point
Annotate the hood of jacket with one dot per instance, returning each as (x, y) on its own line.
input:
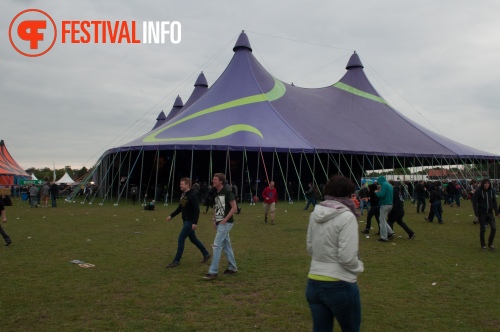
(328, 210)
(381, 179)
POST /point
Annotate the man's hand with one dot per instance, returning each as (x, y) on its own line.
(194, 227)
(168, 218)
(4, 219)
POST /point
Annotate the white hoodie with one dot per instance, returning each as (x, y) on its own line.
(332, 241)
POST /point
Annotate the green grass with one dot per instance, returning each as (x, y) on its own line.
(129, 288)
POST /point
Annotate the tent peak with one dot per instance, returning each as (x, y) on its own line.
(201, 81)
(242, 42)
(178, 102)
(354, 62)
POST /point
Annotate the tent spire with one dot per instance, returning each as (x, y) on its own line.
(354, 62)
(201, 81)
(242, 42)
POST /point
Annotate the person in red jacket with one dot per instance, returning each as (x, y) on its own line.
(270, 196)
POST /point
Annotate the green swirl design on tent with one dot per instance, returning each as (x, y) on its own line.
(357, 92)
(277, 92)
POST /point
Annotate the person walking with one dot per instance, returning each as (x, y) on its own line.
(364, 198)
(436, 208)
(398, 211)
(270, 197)
(3, 215)
(33, 196)
(54, 193)
(332, 241)
(485, 207)
(190, 207)
(374, 209)
(311, 196)
(385, 195)
(420, 191)
(224, 209)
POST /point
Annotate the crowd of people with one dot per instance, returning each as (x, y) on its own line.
(332, 236)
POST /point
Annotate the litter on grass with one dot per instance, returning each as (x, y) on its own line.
(86, 265)
(77, 261)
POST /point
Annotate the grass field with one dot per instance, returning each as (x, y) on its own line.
(440, 281)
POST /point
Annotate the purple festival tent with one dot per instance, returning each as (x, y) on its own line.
(253, 126)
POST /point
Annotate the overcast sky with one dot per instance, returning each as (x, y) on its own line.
(434, 61)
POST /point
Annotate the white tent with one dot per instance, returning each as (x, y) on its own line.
(33, 177)
(66, 179)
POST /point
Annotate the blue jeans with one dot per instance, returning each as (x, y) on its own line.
(363, 204)
(186, 232)
(33, 201)
(330, 300)
(54, 200)
(222, 242)
(310, 200)
(436, 211)
(457, 199)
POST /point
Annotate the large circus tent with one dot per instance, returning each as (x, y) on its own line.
(254, 127)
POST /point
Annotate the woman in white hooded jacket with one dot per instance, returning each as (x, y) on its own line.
(332, 241)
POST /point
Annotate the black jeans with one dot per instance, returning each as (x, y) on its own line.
(420, 201)
(485, 219)
(374, 211)
(399, 220)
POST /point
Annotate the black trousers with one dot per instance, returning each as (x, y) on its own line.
(485, 219)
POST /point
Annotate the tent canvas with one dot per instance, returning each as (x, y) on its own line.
(65, 179)
(10, 170)
(247, 108)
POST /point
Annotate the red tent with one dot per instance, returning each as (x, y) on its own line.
(9, 168)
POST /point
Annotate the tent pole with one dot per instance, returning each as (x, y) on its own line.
(300, 178)
(142, 170)
(128, 177)
(286, 181)
(156, 177)
(257, 176)
(174, 160)
(192, 160)
(242, 175)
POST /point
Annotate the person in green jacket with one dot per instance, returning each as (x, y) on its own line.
(385, 194)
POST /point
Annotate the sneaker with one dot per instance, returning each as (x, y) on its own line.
(365, 231)
(413, 236)
(265, 220)
(382, 240)
(8, 243)
(483, 247)
(390, 237)
(272, 222)
(206, 258)
(239, 210)
(210, 276)
(451, 205)
(173, 264)
(228, 271)
(491, 247)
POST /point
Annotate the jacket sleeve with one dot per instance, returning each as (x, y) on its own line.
(495, 205)
(309, 245)
(348, 247)
(474, 202)
(176, 212)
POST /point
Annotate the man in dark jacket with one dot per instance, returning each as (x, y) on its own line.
(398, 211)
(485, 207)
(190, 208)
(420, 196)
(54, 193)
